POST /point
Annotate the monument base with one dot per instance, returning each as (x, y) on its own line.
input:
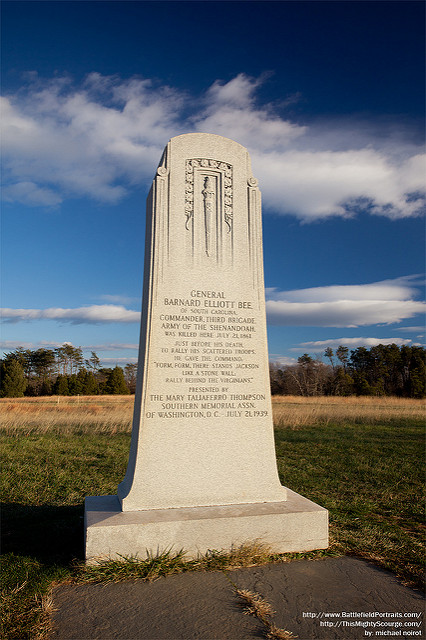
(294, 525)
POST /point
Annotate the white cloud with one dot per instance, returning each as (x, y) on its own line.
(403, 288)
(383, 302)
(319, 184)
(41, 344)
(319, 346)
(231, 112)
(82, 315)
(11, 345)
(104, 136)
(112, 346)
(84, 140)
(29, 193)
(282, 360)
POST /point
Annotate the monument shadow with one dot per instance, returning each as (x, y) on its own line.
(50, 534)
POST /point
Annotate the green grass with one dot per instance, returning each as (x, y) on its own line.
(44, 481)
(370, 478)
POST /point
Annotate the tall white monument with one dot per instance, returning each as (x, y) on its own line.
(202, 470)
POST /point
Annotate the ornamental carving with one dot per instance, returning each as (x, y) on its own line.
(224, 172)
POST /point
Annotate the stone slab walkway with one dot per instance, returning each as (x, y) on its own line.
(205, 606)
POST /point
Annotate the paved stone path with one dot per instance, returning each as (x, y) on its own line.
(204, 606)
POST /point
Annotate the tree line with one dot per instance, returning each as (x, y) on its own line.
(61, 371)
(383, 370)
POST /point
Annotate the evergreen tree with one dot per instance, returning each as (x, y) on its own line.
(90, 387)
(46, 388)
(415, 371)
(60, 388)
(75, 385)
(102, 377)
(342, 384)
(116, 384)
(23, 356)
(13, 382)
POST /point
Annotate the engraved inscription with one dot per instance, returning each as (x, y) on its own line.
(208, 357)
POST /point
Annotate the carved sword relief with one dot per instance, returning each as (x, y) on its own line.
(209, 201)
(217, 197)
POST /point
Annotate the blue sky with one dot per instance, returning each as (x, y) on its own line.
(327, 96)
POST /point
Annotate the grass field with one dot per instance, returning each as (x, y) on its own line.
(361, 458)
(113, 414)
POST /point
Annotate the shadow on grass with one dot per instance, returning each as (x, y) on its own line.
(49, 534)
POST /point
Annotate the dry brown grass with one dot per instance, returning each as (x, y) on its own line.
(260, 608)
(84, 414)
(254, 604)
(113, 414)
(275, 633)
(298, 411)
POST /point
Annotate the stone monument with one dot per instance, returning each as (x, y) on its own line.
(202, 470)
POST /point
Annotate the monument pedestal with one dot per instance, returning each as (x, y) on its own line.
(296, 524)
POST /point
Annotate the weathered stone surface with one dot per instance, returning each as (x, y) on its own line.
(296, 524)
(202, 431)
